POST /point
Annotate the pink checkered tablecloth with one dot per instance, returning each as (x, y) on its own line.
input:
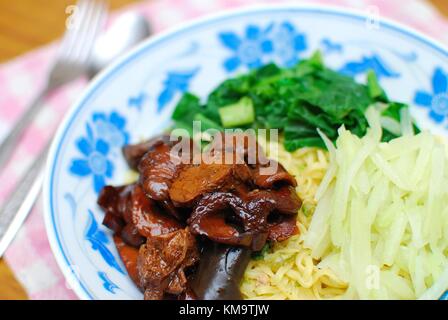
(30, 256)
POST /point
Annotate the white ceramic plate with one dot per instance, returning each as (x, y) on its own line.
(134, 99)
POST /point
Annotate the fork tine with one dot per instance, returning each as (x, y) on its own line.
(71, 34)
(83, 26)
(93, 28)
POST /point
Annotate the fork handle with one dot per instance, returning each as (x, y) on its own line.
(12, 139)
(18, 204)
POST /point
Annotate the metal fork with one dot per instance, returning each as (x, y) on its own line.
(71, 63)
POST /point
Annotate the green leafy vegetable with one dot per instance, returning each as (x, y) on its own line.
(375, 89)
(206, 123)
(237, 114)
(297, 101)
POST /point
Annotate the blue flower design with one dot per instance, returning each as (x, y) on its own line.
(288, 42)
(174, 82)
(111, 128)
(137, 101)
(94, 161)
(107, 283)
(98, 240)
(437, 100)
(247, 51)
(329, 46)
(374, 62)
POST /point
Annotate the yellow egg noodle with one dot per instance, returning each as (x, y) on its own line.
(288, 271)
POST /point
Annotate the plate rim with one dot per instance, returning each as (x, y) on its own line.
(72, 279)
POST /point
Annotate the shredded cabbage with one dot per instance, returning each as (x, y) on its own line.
(381, 221)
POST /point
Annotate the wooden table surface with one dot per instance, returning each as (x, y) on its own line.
(28, 24)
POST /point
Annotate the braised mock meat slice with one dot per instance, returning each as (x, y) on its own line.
(179, 213)
(211, 217)
(133, 153)
(113, 223)
(281, 220)
(279, 177)
(162, 262)
(160, 165)
(266, 173)
(129, 257)
(225, 218)
(282, 227)
(243, 145)
(132, 215)
(114, 201)
(157, 171)
(242, 220)
(195, 181)
(147, 217)
(131, 236)
(285, 198)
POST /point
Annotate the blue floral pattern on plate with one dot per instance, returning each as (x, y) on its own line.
(98, 241)
(437, 100)
(107, 283)
(176, 81)
(94, 161)
(111, 128)
(288, 43)
(280, 42)
(373, 62)
(247, 50)
(108, 133)
(328, 46)
(137, 101)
